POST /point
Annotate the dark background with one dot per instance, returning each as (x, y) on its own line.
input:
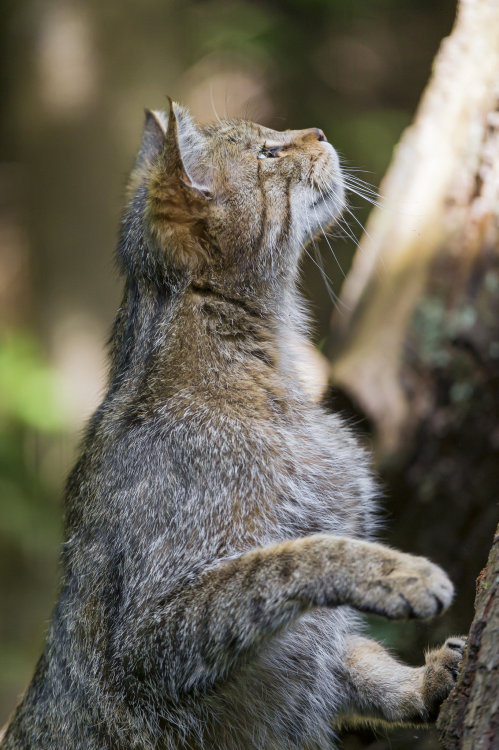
(75, 77)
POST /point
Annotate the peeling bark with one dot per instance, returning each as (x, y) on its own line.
(469, 719)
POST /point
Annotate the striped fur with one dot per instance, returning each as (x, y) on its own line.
(219, 522)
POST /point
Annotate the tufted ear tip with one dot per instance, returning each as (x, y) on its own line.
(175, 110)
(180, 114)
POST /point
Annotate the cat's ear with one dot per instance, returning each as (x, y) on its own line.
(178, 191)
(185, 153)
(153, 137)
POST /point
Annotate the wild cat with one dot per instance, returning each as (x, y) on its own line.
(218, 520)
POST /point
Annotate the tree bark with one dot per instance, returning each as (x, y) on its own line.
(441, 198)
(469, 719)
(415, 340)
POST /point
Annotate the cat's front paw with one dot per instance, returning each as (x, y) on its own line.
(442, 666)
(408, 587)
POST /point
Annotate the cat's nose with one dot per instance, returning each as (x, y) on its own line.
(315, 133)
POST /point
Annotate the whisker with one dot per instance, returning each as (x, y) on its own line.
(212, 102)
(329, 245)
(371, 197)
(342, 224)
(345, 168)
(362, 187)
(365, 197)
(335, 299)
(355, 180)
(359, 223)
(364, 192)
(349, 172)
(364, 230)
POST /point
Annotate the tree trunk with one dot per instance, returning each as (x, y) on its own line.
(469, 720)
(417, 352)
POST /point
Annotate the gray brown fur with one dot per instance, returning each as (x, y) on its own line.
(218, 521)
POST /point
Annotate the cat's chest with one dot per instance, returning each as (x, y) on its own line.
(235, 484)
(310, 486)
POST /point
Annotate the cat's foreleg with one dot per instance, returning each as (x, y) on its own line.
(381, 688)
(196, 634)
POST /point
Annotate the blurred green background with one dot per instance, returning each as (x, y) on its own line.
(75, 78)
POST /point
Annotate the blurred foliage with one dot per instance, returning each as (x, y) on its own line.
(31, 425)
(27, 384)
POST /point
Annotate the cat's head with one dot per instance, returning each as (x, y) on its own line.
(232, 203)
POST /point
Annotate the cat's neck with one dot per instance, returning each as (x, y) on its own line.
(190, 330)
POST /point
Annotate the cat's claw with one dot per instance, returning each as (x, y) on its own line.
(440, 675)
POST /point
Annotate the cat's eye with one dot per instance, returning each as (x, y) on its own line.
(271, 152)
(267, 153)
